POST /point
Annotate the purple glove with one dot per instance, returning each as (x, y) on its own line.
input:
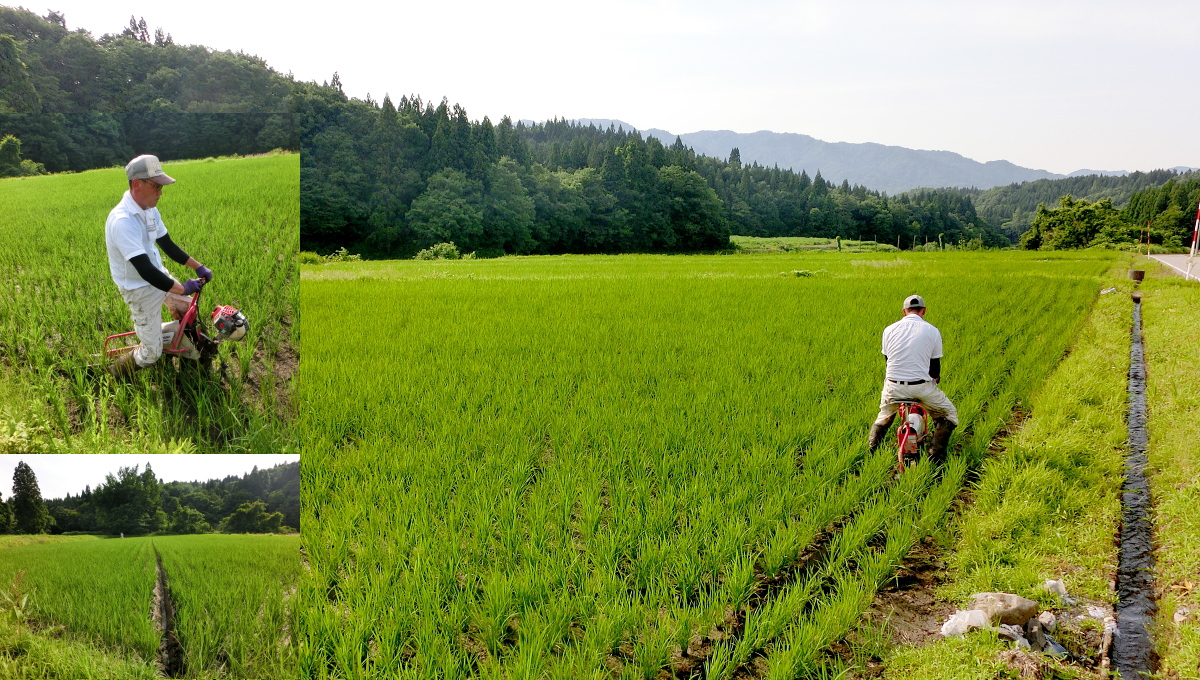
(192, 285)
(205, 273)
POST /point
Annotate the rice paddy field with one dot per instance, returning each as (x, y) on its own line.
(232, 600)
(635, 466)
(240, 217)
(231, 595)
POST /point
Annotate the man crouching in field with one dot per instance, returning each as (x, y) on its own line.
(913, 349)
(131, 232)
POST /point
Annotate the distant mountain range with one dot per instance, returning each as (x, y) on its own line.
(893, 169)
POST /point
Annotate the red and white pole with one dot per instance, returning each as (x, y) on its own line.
(1195, 243)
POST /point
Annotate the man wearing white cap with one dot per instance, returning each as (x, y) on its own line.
(134, 232)
(913, 349)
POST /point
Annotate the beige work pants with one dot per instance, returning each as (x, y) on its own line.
(145, 307)
(935, 401)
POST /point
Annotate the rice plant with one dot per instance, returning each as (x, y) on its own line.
(232, 596)
(99, 590)
(553, 467)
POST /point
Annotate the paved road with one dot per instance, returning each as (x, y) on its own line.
(1178, 263)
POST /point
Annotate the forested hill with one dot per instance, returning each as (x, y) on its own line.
(1013, 207)
(389, 179)
(135, 502)
(893, 169)
(77, 102)
(50, 68)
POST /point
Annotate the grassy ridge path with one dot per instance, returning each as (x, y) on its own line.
(1045, 506)
(1171, 309)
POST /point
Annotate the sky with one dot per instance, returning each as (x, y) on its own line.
(1055, 85)
(60, 474)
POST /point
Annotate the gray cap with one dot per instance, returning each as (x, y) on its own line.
(914, 302)
(147, 167)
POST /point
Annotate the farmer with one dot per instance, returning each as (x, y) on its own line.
(913, 349)
(131, 232)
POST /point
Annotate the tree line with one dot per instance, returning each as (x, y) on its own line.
(77, 102)
(389, 179)
(1013, 207)
(49, 68)
(1161, 215)
(133, 503)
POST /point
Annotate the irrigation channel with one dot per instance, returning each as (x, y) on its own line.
(170, 651)
(1133, 649)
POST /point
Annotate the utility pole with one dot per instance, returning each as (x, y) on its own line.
(1192, 252)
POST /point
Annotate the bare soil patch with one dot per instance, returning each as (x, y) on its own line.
(909, 602)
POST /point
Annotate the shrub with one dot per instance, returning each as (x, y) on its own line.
(189, 521)
(309, 257)
(251, 518)
(439, 251)
(342, 255)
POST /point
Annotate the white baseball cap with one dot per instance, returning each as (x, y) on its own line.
(147, 167)
(914, 302)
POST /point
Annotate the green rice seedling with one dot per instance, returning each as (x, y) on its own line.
(58, 303)
(656, 437)
(231, 595)
(99, 590)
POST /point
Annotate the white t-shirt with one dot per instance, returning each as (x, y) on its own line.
(131, 231)
(909, 344)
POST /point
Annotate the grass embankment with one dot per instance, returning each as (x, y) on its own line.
(12, 541)
(1048, 505)
(1172, 316)
(33, 650)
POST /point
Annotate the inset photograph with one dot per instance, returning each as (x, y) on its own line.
(148, 293)
(149, 566)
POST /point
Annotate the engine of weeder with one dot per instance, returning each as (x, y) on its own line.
(229, 323)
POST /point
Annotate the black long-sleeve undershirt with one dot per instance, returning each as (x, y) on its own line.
(153, 275)
(173, 251)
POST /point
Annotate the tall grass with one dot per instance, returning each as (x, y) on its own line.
(33, 653)
(58, 302)
(570, 466)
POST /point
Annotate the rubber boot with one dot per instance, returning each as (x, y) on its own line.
(123, 366)
(941, 439)
(877, 432)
